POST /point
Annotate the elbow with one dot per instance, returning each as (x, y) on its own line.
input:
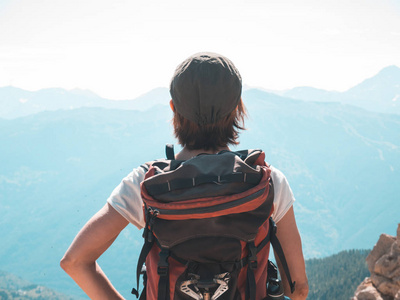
(73, 264)
(304, 291)
(69, 264)
(301, 291)
(66, 263)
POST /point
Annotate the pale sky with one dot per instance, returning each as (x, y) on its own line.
(121, 49)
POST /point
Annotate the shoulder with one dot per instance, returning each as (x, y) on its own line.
(126, 198)
(283, 195)
(278, 178)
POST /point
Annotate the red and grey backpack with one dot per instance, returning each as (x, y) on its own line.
(208, 227)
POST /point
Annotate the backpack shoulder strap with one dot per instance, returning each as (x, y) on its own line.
(279, 251)
(169, 151)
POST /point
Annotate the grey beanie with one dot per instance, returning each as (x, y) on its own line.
(205, 88)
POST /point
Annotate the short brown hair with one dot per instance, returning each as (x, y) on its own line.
(210, 136)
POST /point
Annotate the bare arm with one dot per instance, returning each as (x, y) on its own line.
(80, 259)
(289, 238)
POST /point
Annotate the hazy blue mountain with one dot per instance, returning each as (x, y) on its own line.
(307, 93)
(57, 168)
(342, 163)
(15, 102)
(379, 93)
(157, 96)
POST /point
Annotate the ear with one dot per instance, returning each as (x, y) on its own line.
(171, 104)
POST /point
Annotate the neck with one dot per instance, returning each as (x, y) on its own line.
(186, 154)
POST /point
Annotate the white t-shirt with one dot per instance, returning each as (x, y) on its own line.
(126, 198)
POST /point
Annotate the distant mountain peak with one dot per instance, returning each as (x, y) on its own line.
(84, 92)
(156, 91)
(388, 77)
(53, 89)
(390, 69)
(389, 73)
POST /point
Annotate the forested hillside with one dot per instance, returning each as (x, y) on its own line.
(337, 276)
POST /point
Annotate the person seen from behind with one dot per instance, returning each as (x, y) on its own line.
(208, 114)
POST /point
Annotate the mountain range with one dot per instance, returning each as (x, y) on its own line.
(381, 93)
(16, 102)
(58, 165)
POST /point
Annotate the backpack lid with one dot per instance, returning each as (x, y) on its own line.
(207, 185)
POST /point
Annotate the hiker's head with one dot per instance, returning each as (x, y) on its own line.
(206, 99)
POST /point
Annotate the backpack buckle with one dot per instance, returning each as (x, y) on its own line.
(162, 271)
(253, 264)
(252, 257)
(162, 268)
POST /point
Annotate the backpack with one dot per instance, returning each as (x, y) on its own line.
(208, 227)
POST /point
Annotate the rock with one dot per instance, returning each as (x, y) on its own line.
(385, 241)
(397, 297)
(398, 233)
(385, 285)
(388, 265)
(384, 265)
(367, 291)
(389, 288)
(376, 279)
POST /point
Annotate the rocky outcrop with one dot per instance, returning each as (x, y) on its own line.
(384, 264)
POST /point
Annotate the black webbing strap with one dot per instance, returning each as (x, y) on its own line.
(169, 151)
(143, 295)
(163, 272)
(263, 243)
(183, 183)
(252, 265)
(142, 258)
(270, 237)
(279, 251)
